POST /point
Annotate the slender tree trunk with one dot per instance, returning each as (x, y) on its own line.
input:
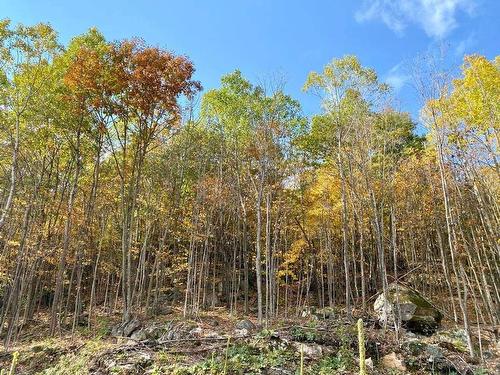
(13, 172)
(56, 308)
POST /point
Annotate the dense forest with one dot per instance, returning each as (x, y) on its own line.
(123, 183)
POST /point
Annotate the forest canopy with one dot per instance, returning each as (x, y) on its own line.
(117, 190)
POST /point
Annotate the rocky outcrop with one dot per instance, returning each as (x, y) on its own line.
(126, 329)
(324, 313)
(153, 332)
(312, 350)
(435, 356)
(126, 360)
(392, 362)
(323, 346)
(415, 312)
(245, 324)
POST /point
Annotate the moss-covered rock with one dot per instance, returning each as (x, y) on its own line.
(415, 312)
(453, 339)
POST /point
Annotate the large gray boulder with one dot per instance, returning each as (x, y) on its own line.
(415, 312)
(126, 329)
(245, 324)
(153, 332)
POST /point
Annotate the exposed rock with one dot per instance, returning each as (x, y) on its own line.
(212, 334)
(126, 361)
(161, 309)
(307, 312)
(455, 340)
(140, 335)
(415, 347)
(130, 327)
(445, 362)
(167, 331)
(245, 324)
(434, 352)
(311, 351)
(241, 332)
(153, 332)
(436, 356)
(179, 330)
(196, 332)
(324, 313)
(125, 329)
(391, 361)
(416, 313)
(369, 363)
(407, 334)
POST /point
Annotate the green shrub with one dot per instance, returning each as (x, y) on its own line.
(304, 334)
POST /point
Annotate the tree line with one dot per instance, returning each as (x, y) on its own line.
(119, 190)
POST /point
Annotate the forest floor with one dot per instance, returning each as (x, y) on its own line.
(217, 343)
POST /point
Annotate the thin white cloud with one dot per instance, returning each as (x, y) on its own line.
(396, 78)
(465, 45)
(436, 17)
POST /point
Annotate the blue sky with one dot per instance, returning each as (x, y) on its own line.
(285, 38)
